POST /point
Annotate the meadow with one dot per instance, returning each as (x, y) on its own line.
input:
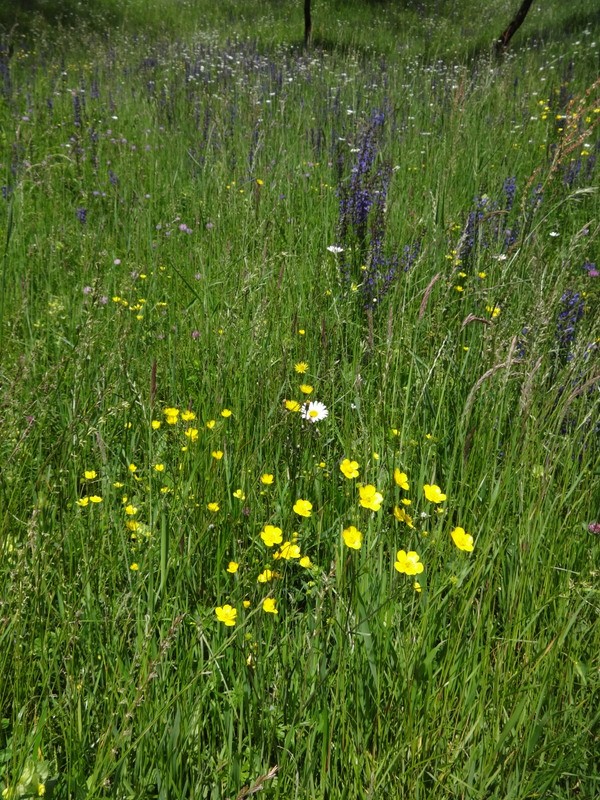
(299, 403)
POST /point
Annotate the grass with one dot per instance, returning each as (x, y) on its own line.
(169, 198)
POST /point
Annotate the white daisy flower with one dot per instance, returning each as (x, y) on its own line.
(314, 411)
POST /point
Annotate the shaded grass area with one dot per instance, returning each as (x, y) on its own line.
(428, 29)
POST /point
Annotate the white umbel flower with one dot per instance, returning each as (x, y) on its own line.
(314, 411)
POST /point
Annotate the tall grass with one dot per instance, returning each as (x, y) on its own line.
(200, 223)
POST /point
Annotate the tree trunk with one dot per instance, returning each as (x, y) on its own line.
(504, 39)
(307, 23)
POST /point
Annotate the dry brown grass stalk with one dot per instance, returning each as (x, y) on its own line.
(472, 318)
(428, 290)
(247, 791)
(527, 390)
(576, 392)
(492, 371)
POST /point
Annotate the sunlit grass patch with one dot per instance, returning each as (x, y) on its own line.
(299, 368)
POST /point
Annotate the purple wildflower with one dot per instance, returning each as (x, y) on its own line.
(510, 188)
(566, 328)
(76, 110)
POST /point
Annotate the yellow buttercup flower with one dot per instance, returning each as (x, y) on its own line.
(192, 434)
(269, 605)
(462, 539)
(271, 535)
(288, 551)
(401, 478)
(172, 415)
(90, 474)
(408, 563)
(233, 567)
(370, 498)
(267, 478)
(226, 614)
(402, 516)
(352, 537)
(349, 468)
(303, 508)
(433, 493)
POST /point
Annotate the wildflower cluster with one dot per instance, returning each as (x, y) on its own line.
(286, 551)
(487, 229)
(407, 562)
(361, 233)
(175, 429)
